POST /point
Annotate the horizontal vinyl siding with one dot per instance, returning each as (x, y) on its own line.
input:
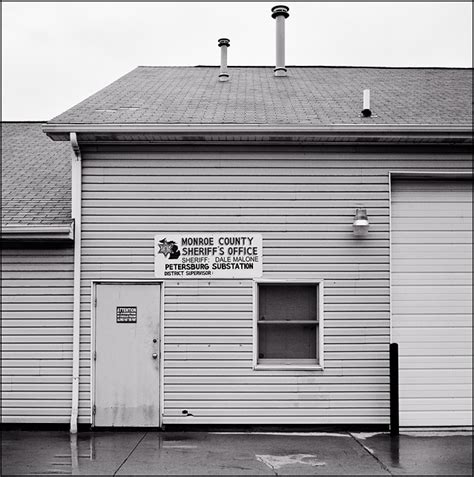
(37, 297)
(432, 237)
(303, 204)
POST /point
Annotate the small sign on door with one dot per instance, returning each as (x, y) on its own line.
(126, 314)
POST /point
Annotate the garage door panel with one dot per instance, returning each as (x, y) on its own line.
(431, 209)
(422, 298)
(431, 321)
(432, 278)
(429, 404)
(405, 237)
(422, 196)
(414, 418)
(431, 281)
(430, 189)
(420, 334)
(443, 266)
(433, 362)
(441, 291)
(436, 391)
(432, 224)
(432, 252)
(448, 376)
(441, 307)
(449, 348)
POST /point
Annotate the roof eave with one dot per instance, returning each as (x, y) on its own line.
(38, 233)
(232, 133)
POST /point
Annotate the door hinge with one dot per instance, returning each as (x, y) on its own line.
(95, 302)
(93, 410)
(95, 355)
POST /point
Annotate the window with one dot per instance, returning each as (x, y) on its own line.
(288, 324)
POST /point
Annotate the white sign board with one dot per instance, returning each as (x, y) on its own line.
(234, 255)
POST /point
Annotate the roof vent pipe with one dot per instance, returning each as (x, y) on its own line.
(223, 44)
(280, 13)
(366, 112)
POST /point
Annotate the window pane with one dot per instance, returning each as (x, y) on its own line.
(280, 341)
(287, 302)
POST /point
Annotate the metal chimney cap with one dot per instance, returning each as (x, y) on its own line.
(223, 42)
(278, 10)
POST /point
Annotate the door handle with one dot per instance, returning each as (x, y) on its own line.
(154, 355)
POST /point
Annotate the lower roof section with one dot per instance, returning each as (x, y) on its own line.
(36, 177)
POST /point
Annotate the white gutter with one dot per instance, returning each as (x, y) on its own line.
(256, 128)
(347, 134)
(76, 173)
(37, 232)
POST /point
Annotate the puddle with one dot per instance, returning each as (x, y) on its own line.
(368, 435)
(179, 446)
(303, 434)
(278, 461)
(176, 437)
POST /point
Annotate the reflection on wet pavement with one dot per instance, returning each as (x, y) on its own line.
(395, 451)
(181, 453)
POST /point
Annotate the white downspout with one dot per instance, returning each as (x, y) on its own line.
(76, 192)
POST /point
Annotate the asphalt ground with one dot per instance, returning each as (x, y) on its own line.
(235, 453)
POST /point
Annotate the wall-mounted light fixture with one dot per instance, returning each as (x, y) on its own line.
(361, 223)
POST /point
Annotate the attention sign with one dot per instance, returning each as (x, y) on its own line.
(126, 314)
(236, 255)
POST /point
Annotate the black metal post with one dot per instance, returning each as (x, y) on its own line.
(394, 406)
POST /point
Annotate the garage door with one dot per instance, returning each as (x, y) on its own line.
(432, 300)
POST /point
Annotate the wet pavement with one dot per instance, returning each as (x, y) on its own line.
(234, 453)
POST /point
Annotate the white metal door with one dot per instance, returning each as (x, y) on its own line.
(432, 300)
(127, 355)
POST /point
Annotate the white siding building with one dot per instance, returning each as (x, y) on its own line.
(174, 152)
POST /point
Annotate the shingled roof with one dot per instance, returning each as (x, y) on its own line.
(36, 170)
(308, 96)
(36, 177)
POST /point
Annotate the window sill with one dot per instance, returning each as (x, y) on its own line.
(288, 367)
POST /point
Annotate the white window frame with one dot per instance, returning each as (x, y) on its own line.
(319, 284)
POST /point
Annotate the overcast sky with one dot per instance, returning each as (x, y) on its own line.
(57, 54)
